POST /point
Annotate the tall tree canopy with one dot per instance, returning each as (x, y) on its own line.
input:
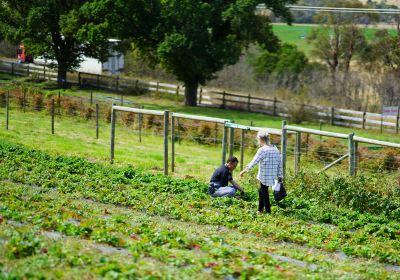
(194, 39)
(55, 30)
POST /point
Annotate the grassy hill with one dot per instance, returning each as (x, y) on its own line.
(297, 34)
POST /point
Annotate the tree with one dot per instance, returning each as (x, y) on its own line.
(55, 30)
(339, 38)
(195, 39)
(382, 58)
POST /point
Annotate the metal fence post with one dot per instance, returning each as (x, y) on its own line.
(172, 143)
(52, 116)
(231, 141)
(166, 121)
(284, 148)
(97, 121)
(224, 141)
(113, 116)
(241, 148)
(297, 153)
(351, 154)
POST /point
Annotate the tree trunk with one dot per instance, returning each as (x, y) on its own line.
(62, 76)
(191, 93)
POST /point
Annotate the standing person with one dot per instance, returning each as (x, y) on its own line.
(218, 186)
(270, 168)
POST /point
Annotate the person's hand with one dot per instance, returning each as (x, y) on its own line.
(242, 173)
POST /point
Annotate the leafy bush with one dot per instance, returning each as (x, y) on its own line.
(70, 106)
(128, 119)
(88, 113)
(38, 101)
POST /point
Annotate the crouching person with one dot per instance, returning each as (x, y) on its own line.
(218, 186)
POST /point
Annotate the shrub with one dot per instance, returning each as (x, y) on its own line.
(70, 106)
(88, 113)
(391, 160)
(328, 150)
(38, 101)
(107, 114)
(150, 121)
(3, 99)
(19, 99)
(128, 119)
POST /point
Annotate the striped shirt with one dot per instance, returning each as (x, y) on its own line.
(270, 164)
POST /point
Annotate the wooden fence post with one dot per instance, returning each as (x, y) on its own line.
(158, 87)
(364, 120)
(224, 142)
(59, 102)
(52, 116)
(27, 70)
(177, 90)
(223, 100)
(231, 141)
(113, 116)
(284, 148)
(79, 79)
(274, 107)
(97, 121)
(297, 153)
(12, 68)
(248, 103)
(201, 95)
(381, 123)
(332, 116)
(241, 148)
(117, 83)
(44, 72)
(166, 122)
(7, 108)
(172, 143)
(351, 154)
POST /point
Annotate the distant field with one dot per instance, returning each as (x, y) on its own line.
(297, 34)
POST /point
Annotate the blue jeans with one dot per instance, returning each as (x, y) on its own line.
(224, 192)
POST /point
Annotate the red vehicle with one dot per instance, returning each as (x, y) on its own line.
(22, 56)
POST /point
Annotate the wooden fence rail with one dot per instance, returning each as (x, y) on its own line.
(214, 98)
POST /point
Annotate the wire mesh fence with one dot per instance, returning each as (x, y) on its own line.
(198, 143)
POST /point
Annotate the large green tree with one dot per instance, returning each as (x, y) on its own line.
(55, 30)
(194, 39)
